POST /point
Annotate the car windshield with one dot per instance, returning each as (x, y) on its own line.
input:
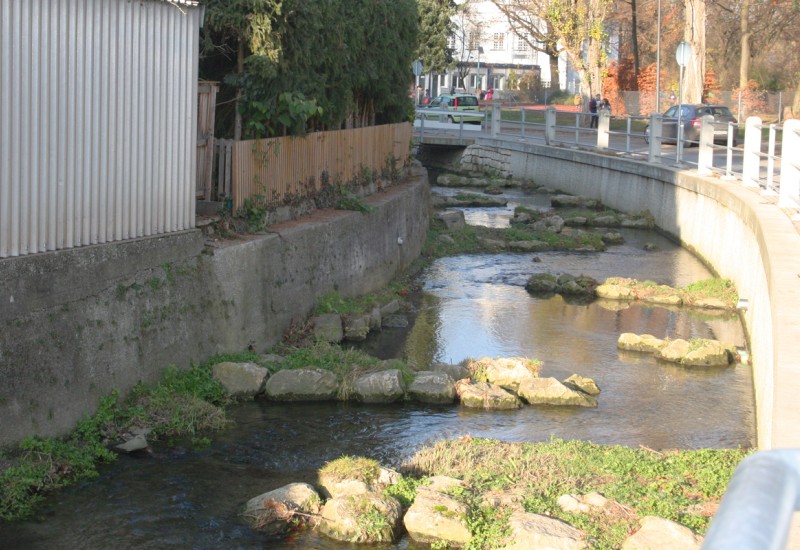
(723, 112)
(467, 101)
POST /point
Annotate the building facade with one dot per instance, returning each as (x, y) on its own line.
(489, 54)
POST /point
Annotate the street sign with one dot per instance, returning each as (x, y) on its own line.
(684, 53)
(416, 67)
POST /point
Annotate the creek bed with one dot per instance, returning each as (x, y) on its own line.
(470, 306)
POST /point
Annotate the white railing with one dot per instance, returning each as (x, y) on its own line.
(768, 164)
(756, 510)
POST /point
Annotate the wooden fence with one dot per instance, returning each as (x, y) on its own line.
(280, 168)
(206, 110)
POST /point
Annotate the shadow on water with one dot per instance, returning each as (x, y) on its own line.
(469, 306)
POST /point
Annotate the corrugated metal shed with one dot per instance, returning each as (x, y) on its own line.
(98, 111)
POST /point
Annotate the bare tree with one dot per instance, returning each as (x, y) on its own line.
(527, 20)
(575, 27)
(695, 34)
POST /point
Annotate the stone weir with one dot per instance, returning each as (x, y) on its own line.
(77, 324)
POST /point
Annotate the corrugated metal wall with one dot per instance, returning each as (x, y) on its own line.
(98, 110)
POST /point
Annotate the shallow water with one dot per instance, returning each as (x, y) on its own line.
(470, 306)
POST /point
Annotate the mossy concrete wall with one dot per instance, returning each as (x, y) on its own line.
(76, 324)
(741, 234)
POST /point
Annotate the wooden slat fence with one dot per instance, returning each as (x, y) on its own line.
(206, 109)
(280, 168)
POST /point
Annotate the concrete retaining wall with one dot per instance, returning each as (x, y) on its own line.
(742, 236)
(78, 323)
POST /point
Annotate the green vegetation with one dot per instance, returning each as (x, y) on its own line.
(683, 486)
(346, 364)
(185, 402)
(478, 239)
(333, 302)
(405, 490)
(310, 65)
(351, 467)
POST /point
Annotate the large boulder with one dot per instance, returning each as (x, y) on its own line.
(379, 387)
(529, 246)
(307, 384)
(506, 372)
(697, 353)
(456, 372)
(240, 379)
(366, 518)
(274, 512)
(356, 327)
(549, 391)
(662, 534)
(542, 283)
(640, 342)
(583, 504)
(582, 384)
(453, 219)
(433, 387)
(480, 395)
(328, 327)
(437, 518)
(365, 478)
(612, 291)
(552, 224)
(530, 531)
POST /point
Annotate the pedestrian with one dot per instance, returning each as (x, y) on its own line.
(427, 96)
(489, 94)
(593, 104)
(607, 105)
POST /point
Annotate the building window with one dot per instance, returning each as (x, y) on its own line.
(498, 41)
(522, 45)
(451, 42)
(474, 39)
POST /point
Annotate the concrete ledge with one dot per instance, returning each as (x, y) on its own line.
(735, 230)
(76, 324)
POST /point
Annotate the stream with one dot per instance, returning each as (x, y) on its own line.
(469, 307)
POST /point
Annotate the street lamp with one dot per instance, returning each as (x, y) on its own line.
(478, 84)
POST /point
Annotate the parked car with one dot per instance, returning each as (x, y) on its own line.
(455, 102)
(691, 119)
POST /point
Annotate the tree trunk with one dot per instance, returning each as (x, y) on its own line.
(744, 60)
(695, 34)
(635, 40)
(555, 76)
(237, 125)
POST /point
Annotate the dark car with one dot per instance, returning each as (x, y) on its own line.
(691, 118)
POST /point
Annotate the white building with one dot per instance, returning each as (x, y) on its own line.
(490, 55)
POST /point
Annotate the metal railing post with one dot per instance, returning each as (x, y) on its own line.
(771, 161)
(522, 117)
(495, 120)
(550, 125)
(751, 157)
(705, 154)
(654, 152)
(732, 130)
(756, 510)
(790, 165)
(602, 128)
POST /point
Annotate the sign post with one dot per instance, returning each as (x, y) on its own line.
(682, 55)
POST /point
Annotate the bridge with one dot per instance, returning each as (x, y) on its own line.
(737, 209)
